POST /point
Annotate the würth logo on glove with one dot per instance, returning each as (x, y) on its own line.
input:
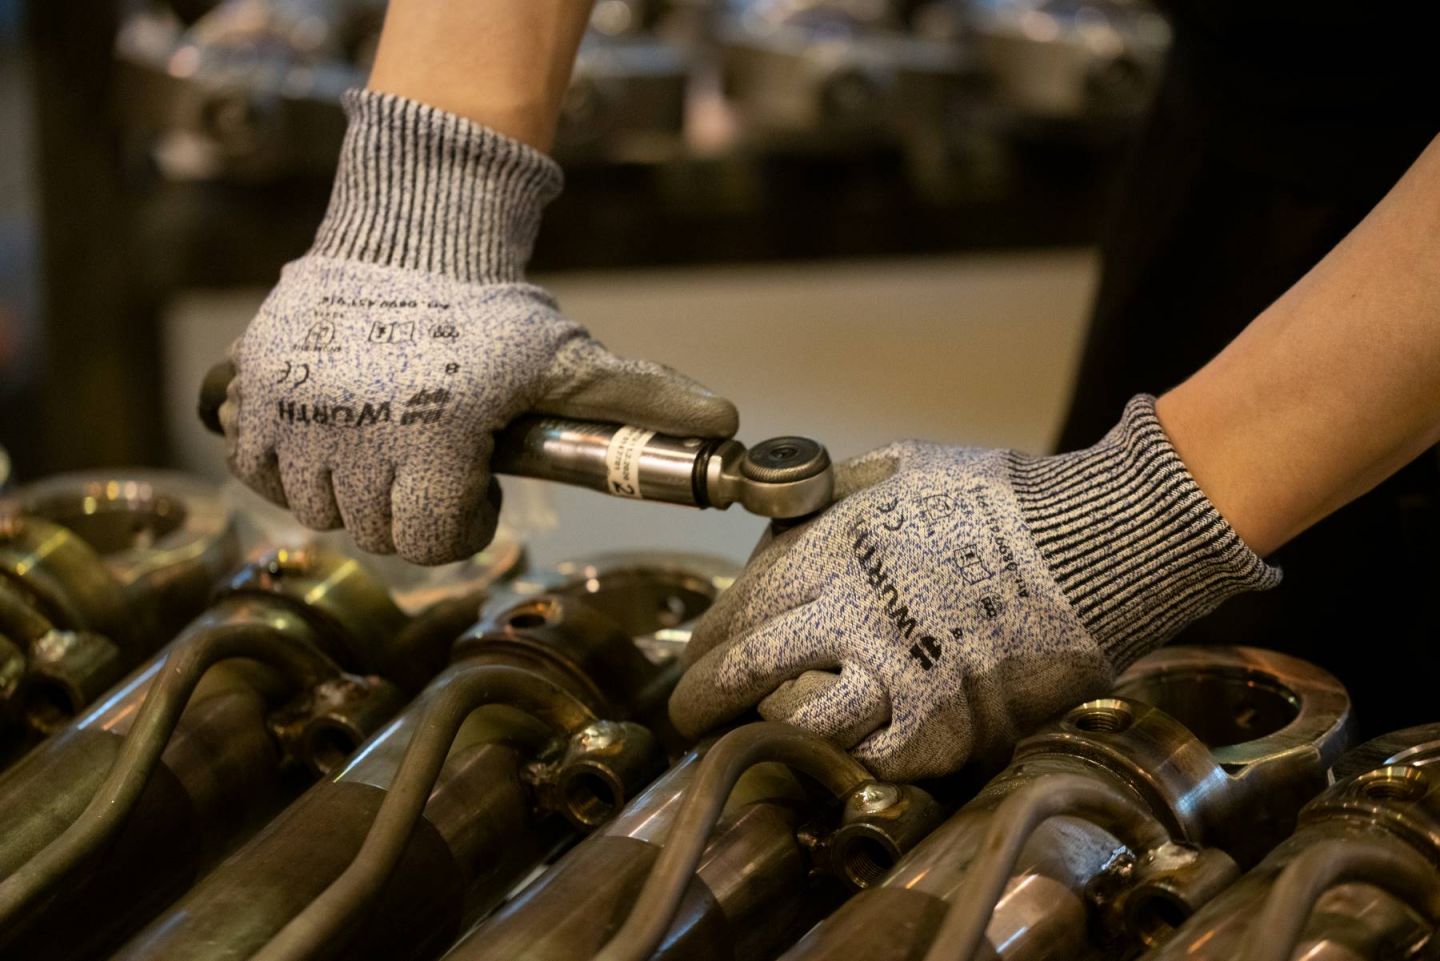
(925, 650)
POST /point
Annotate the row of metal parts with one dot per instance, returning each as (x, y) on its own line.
(251, 87)
(309, 771)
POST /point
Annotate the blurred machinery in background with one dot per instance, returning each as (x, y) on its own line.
(250, 88)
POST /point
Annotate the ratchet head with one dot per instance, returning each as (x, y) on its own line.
(784, 478)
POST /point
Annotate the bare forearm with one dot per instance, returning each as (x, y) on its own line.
(503, 63)
(1335, 386)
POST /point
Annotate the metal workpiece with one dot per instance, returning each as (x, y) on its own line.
(755, 887)
(1359, 879)
(443, 708)
(1078, 886)
(1275, 725)
(198, 744)
(514, 778)
(165, 537)
(355, 616)
(97, 571)
(179, 673)
(703, 803)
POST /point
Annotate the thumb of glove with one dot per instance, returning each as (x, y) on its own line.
(588, 382)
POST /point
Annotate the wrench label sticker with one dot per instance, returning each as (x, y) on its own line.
(622, 460)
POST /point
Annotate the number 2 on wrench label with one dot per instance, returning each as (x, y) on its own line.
(622, 460)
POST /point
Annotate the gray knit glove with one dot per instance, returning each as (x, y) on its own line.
(956, 597)
(370, 384)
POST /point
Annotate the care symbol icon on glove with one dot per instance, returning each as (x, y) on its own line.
(387, 332)
(971, 565)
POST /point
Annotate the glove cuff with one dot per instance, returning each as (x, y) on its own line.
(423, 189)
(1135, 545)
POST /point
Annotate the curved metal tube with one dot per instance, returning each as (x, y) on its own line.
(1017, 817)
(721, 768)
(1282, 918)
(314, 931)
(18, 617)
(154, 723)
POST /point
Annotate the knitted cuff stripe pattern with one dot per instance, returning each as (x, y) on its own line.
(1133, 542)
(422, 189)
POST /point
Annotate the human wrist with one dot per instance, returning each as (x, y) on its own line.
(1132, 540)
(424, 189)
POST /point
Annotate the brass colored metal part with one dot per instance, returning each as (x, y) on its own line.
(483, 828)
(1269, 726)
(753, 891)
(700, 810)
(1359, 878)
(335, 717)
(67, 670)
(164, 537)
(357, 618)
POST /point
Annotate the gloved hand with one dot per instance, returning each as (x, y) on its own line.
(368, 387)
(956, 597)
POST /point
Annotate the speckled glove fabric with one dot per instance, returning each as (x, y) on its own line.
(368, 387)
(955, 597)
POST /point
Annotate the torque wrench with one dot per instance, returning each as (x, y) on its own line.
(782, 478)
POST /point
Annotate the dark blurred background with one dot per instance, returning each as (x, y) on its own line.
(161, 159)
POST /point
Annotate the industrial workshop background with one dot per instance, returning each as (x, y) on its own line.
(804, 175)
(224, 737)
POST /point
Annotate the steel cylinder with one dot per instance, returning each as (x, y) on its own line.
(1395, 805)
(483, 826)
(110, 565)
(753, 892)
(219, 774)
(226, 768)
(1233, 787)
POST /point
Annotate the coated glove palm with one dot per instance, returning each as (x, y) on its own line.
(955, 597)
(370, 384)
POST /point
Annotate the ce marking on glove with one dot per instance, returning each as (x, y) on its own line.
(895, 523)
(294, 375)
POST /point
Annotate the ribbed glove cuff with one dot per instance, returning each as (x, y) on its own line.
(1134, 544)
(427, 190)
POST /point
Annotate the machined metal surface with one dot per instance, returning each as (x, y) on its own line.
(97, 571)
(1048, 906)
(1359, 878)
(502, 800)
(183, 759)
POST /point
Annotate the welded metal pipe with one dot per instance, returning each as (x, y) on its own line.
(700, 810)
(769, 869)
(179, 674)
(443, 708)
(754, 888)
(1356, 881)
(209, 784)
(1229, 792)
(1010, 829)
(492, 816)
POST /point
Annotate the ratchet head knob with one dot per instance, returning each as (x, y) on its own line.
(784, 460)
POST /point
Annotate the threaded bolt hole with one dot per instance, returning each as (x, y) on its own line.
(1395, 786)
(864, 860)
(590, 798)
(1155, 916)
(527, 620)
(328, 745)
(1102, 719)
